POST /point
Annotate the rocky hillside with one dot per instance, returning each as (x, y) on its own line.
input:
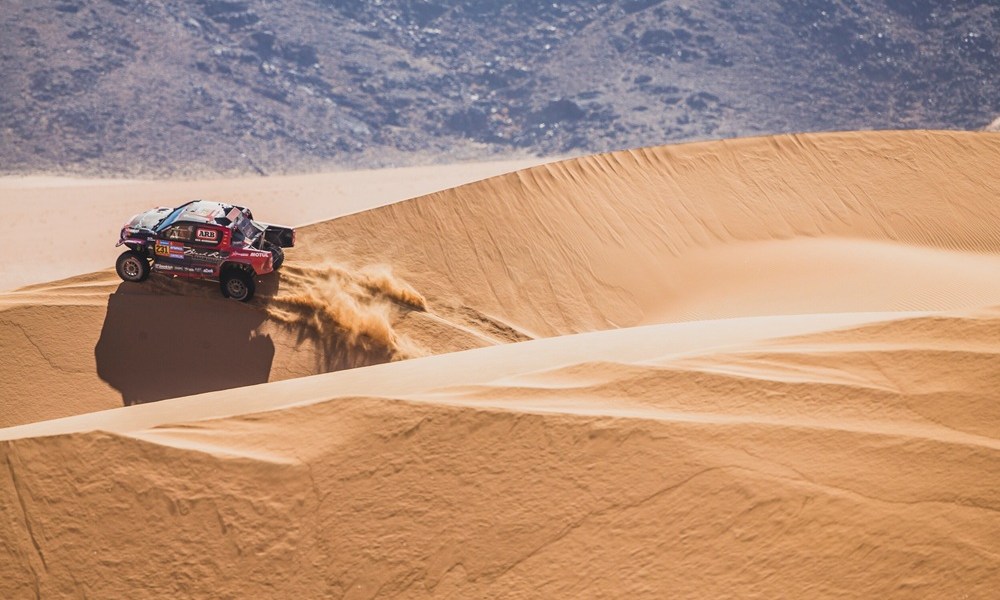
(183, 86)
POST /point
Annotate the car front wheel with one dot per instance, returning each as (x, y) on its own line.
(132, 266)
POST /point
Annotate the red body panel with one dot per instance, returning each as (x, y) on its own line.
(198, 246)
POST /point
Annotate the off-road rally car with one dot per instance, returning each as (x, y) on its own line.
(203, 240)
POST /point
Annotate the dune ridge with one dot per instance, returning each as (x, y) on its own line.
(761, 367)
(100, 206)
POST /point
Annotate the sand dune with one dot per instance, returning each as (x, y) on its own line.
(784, 468)
(784, 225)
(762, 367)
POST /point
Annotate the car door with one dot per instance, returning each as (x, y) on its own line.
(172, 243)
(205, 252)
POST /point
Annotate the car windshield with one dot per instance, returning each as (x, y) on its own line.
(169, 219)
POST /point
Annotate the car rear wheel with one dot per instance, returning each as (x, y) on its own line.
(237, 284)
(132, 266)
(277, 257)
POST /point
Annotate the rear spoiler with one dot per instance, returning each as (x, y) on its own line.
(278, 235)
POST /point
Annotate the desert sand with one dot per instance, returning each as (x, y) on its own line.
(748, 368)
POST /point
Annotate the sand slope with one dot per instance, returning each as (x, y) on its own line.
(787, 389)
(633, 237)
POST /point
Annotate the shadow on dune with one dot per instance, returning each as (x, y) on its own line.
(170, 337)
(155, 346)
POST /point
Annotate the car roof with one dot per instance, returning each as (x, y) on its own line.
(200, 211)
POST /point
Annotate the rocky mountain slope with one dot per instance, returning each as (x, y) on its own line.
(177, 86)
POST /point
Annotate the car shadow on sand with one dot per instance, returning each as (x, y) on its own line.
(167, 338)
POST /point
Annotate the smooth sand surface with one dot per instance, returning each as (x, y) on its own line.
(749, 368)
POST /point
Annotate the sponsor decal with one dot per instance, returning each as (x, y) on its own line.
(208, 235)
(184, 269)
(169, 249)
(196, 254)
(250, 254)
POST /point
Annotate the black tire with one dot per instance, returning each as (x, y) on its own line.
(237, 284)
(132, 266)
(277, 257)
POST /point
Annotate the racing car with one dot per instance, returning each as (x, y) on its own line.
(203, 240)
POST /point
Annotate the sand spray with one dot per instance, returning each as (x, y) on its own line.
(347, 311)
